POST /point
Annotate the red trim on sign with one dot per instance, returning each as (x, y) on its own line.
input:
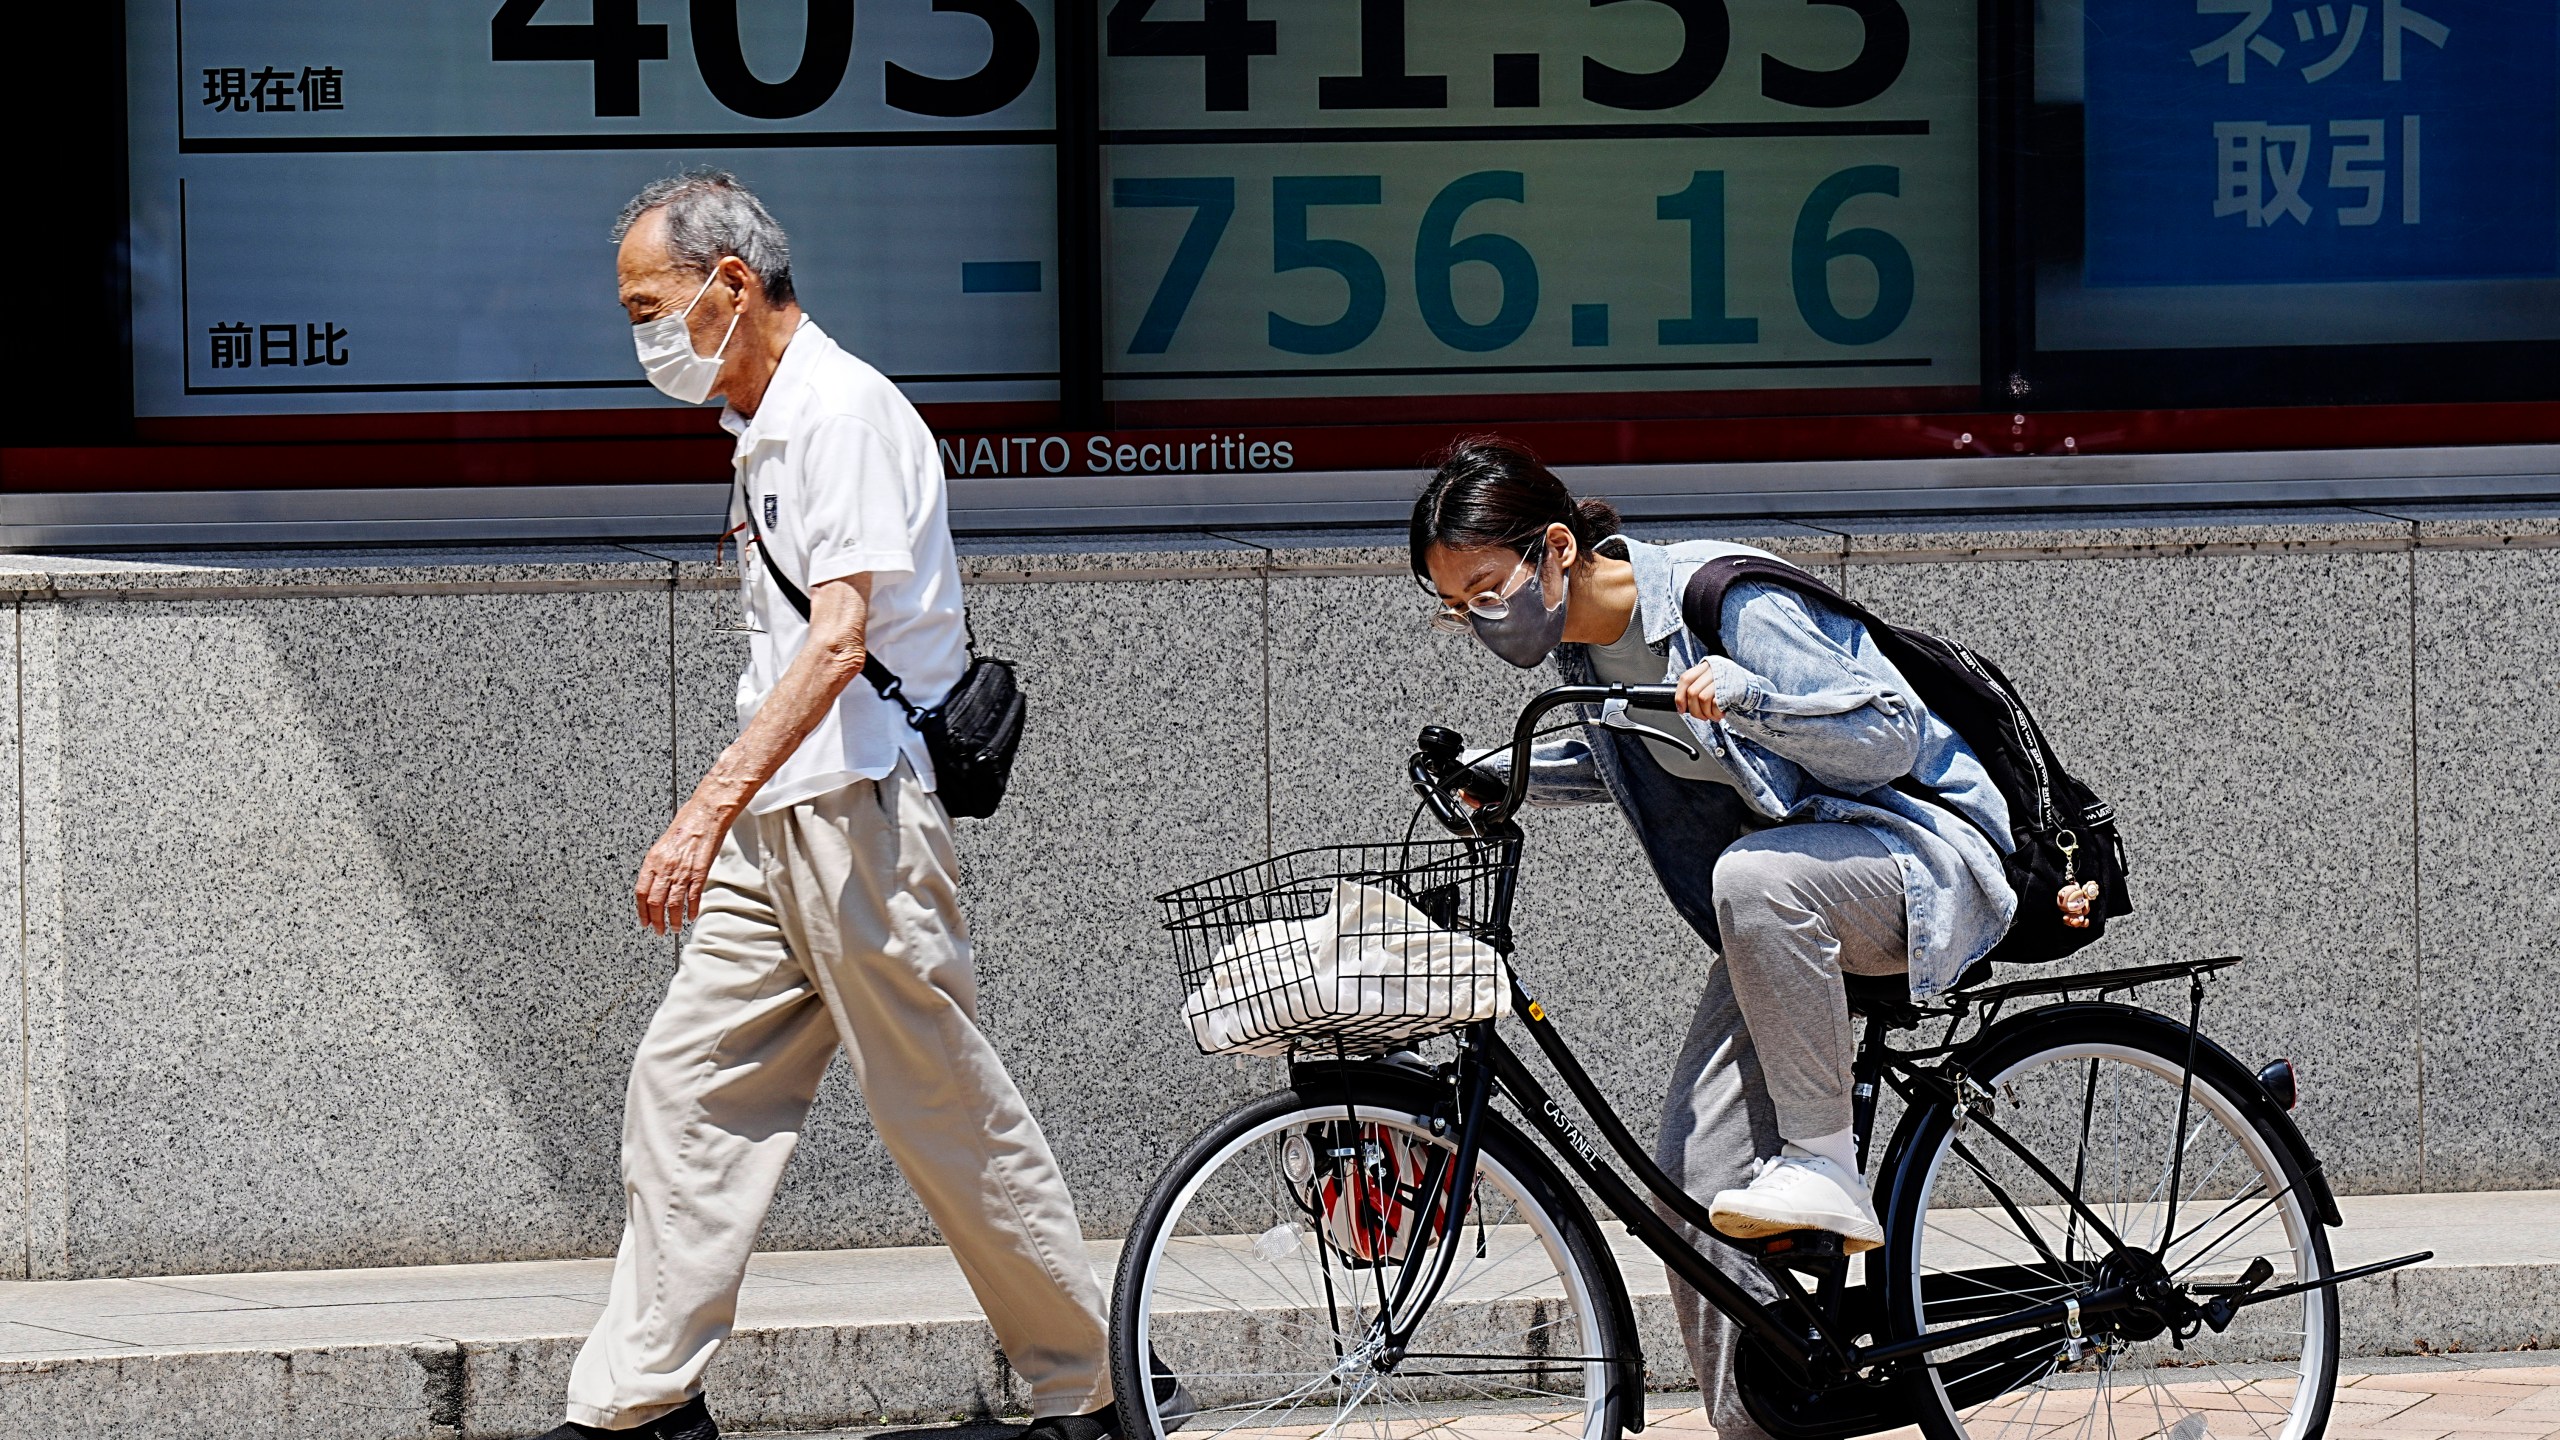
(551, 448)
(1507, 410)
(2120, 432)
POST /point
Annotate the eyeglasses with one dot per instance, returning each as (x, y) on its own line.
(1492, 604)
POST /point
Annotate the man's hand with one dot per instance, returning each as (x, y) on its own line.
(1697, 692)
(669, 890)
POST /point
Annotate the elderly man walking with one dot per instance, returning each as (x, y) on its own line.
(815, 864)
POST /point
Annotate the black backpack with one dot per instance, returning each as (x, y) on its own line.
(2063, 833)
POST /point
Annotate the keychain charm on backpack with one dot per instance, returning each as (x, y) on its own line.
(2075, 896)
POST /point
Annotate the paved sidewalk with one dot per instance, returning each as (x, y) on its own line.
(825, 1338)
(2453, 1399)
(2438, 1404)
(2509, 1397)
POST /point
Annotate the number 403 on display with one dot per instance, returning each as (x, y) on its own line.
(1438, 251)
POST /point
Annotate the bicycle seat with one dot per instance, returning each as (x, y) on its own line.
(1890, 994)
(1872, 994)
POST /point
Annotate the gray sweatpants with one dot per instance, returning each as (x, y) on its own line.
(1768, 1055)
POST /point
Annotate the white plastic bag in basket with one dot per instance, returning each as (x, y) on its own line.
(1371, 955)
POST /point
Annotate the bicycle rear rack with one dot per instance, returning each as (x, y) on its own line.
(1989, 998)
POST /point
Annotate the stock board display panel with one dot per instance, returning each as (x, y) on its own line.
(404, 205)
(1366, 197)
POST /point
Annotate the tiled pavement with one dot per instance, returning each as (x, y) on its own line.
(2519, 1401)
(2463, 1399)
(2416, 1398)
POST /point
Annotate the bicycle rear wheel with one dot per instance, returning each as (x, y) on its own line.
(1248, 1296)
(2093, 1093)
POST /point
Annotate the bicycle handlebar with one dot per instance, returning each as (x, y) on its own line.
(1437, 771)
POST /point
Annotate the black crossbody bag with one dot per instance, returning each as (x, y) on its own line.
(972, 735)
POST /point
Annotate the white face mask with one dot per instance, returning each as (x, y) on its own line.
(666, 352)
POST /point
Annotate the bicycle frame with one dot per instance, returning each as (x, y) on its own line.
(1811, 1348)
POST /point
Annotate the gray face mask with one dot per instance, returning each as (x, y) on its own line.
(1527, 631)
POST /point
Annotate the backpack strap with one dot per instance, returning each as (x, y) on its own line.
(1702, 600)
(1702, 610)
(882, 678)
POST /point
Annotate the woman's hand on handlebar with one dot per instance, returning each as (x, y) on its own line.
(1475, 789)
(1697, 692)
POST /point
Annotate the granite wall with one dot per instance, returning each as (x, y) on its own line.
(319, 863)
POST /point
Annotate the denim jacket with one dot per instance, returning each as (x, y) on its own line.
(1818, 725)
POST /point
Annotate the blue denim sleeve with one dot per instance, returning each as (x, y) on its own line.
(1561, 772)
(1808, 685)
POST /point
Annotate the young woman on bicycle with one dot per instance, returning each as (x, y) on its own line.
(1782, 841)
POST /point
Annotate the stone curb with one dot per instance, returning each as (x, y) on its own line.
(817, 1377)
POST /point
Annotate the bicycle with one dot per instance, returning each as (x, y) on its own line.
(2098, 1221)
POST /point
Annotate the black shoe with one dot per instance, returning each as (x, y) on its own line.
(1174, 1405)
(1102, 1424)
(688, 1421)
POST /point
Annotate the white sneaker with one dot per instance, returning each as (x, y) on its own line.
(1797, 1191)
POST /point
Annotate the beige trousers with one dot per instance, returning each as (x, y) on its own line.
(833, 921)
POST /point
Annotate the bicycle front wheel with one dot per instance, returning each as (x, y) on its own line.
(2089, 1184)
(1250, 1292)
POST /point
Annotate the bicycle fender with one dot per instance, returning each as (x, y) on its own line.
(1994, 1046)
(1427, 1092)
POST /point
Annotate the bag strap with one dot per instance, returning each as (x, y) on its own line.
(1702, 610)
(1702, 601)
(882, 678)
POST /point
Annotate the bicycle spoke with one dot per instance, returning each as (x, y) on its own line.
(2204, 1183)
(2244, 1222)
(1293, 1399)
(2157, 1392)
(2240, 1403)
(2026, 1228)
(2086, 1156)
(1212, 1287)
(1510, 1338)
(1973, 1244)
(2169, 1162)
(2045, 1173)
(2080, 1155)
(1560, 1320)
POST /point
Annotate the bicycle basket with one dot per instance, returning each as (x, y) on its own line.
(1343, 947)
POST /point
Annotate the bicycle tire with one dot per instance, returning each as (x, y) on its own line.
(2242, 1188)
(1520, 1191)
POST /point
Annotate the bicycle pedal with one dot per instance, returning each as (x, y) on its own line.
(1814, 1252)
(1796, 1245)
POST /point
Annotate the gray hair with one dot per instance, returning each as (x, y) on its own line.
(710, 216)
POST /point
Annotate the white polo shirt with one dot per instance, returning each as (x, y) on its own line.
(846, 480)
